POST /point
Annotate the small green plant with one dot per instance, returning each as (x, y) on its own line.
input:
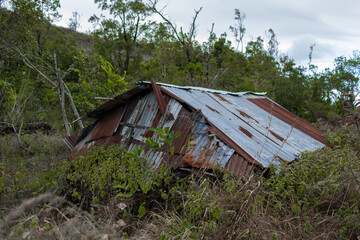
(104, 172)
(165, 139)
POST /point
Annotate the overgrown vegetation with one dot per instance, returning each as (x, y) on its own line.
(110, 193)
(27, 167)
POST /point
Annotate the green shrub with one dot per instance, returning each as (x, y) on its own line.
(28, 168)
(324, 182)
(107, 173)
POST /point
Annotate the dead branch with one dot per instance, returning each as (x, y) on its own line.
(66, 89)
(218, 75)
(192, 31)
(62, 97)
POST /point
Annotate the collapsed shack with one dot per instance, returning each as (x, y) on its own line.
(239, 131)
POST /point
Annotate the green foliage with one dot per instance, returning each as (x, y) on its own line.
(164, 140)
(28, 167)
(120, 32)
(318, 193)
(7, 89)
(324, 181)
(96, 78)
(115, 84)
(105, 172)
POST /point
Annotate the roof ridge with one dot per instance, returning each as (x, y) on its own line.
(204, 89)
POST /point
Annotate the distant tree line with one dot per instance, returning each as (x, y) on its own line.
(42, 65)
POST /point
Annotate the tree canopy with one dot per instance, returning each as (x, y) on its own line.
(129, 46)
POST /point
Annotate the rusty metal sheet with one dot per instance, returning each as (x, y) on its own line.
(142, 115)
(184, 125)
(70, 141)
(81, 146)
(130, 106)
(173, 108)
(159, 97)
(206, 150)
(288, 117)
(114, 139)
(145, 114)
(108, 124)
(248, 126)
(239, 166)
(234, 130)
(118, 100)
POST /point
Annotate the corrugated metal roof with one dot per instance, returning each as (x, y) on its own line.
(118, 100)
(204, 89)
(70, 141)
(205, 150)
(265, 137)
(231, 130)
(286, 116)
(108, 124)
(144, 115)
(239, 166)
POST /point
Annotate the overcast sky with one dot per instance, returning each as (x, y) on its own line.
(333, 25)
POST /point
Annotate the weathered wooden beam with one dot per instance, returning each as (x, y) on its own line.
(160, 99)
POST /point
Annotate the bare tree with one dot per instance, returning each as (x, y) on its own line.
(312, 67)
(58, 86)
(239, 28)
(74, 21)
(273, 44)
(61, 85)
(14, 111)
(311, 52)
(186, 39)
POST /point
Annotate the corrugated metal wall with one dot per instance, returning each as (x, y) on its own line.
(129, 125)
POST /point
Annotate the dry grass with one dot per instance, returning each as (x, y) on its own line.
(327, 207)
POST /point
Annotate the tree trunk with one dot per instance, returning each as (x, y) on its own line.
(66, 89)
(62, 97)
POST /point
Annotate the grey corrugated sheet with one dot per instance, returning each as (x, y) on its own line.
(207, 150)
(262, 146)
(153, 158)
(147, 112)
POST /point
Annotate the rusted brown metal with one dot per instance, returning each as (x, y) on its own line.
(160, 99)
(244, 114)
(107, 125)
(71, 141)
(288, 117)
(219, 133)
(232, 144)
(246, 132)
(184, 125)
(229, 130)
(239, 166)
(213, 109)
(277, 136)
(157, 118)
(118, 100)
(221, 98)
(129, 110)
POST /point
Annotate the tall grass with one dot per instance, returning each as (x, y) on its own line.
(315, 197)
